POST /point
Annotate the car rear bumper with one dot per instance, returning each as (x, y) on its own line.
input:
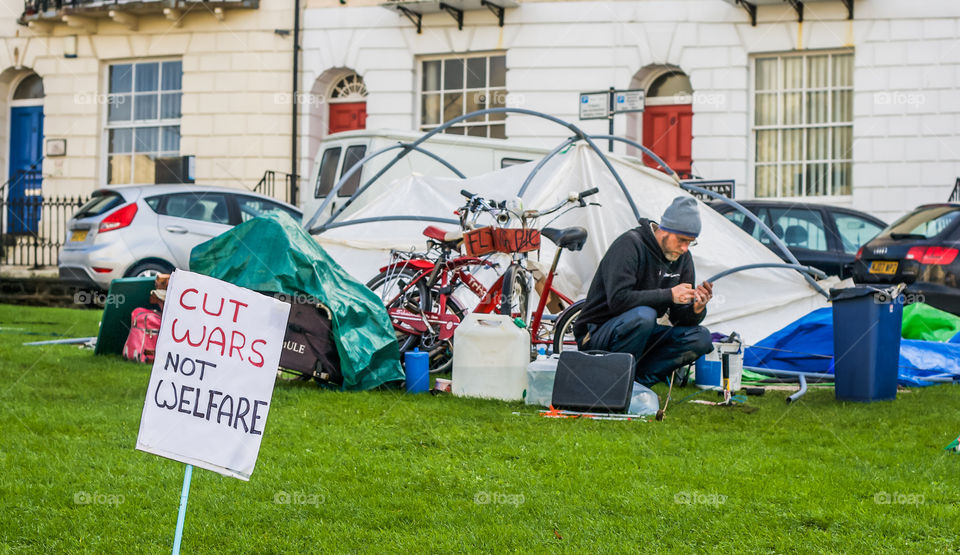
(77, 265)
(74, 276)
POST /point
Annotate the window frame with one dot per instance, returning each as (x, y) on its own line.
(824, 227)
(340, 148)
(164, 199)
(804, 90)
(356, 180)
(833, 213)
(239, 198)
(106, 126)
(487, 123)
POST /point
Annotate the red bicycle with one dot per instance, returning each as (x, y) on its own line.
(417, 288)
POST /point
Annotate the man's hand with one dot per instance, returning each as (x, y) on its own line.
(702, 296)
(683, 293)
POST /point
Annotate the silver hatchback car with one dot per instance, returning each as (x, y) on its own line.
(145, 230)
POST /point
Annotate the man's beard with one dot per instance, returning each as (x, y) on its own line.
(672, 257)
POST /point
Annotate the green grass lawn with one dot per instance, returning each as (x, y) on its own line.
(389, 472)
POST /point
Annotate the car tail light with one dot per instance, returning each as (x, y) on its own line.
(932, 255)
(102, 270)
(859, 253)
(916, 253)
(121, 217)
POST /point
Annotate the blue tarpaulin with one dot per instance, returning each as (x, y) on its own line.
(806, 345)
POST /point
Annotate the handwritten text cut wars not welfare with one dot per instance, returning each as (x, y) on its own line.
(212, 380)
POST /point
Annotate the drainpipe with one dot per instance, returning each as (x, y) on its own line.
(293, 116)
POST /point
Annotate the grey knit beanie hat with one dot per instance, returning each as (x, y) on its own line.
(682, 217)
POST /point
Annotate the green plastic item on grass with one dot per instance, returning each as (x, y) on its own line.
(124, 296)
(953, 447)
(275, 255)
(924, 322)
(751, 376)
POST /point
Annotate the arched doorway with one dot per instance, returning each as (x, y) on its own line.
(348, 104)
(338, 93)
(667, 124)
(24, 175)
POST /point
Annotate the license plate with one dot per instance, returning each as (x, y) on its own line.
(883, 267)
(78, 235)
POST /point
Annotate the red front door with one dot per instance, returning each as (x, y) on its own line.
(668, 132)
(348, 116)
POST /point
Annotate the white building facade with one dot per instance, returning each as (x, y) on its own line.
(147, 92)
(852, 103)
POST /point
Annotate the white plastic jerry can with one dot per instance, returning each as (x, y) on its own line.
(490, 358)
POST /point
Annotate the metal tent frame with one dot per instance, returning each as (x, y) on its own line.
(578, 135)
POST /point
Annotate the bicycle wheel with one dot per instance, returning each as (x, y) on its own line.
(514, 297)
(563, 338)
(389, 285)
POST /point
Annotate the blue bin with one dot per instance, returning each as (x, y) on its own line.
(866, 343)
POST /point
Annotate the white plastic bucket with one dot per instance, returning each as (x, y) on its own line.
(709, 368)
(490, 358)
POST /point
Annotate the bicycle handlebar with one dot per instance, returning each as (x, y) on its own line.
(501, 211)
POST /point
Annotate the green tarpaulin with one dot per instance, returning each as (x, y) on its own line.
(922, 321)
(278, 256)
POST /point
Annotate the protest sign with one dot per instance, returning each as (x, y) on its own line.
(213, 376)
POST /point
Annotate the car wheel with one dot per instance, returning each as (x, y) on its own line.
(150, 269)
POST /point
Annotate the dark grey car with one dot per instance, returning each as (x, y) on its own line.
(825, 237)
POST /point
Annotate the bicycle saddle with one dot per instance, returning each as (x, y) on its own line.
(443, 236)
(572, 238)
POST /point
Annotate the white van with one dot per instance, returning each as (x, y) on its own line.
(340, 151)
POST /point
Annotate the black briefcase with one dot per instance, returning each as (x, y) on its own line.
(593, 381)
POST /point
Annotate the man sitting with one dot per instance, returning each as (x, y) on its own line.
(645, 273)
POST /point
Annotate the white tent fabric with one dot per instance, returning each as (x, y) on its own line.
(753, 302)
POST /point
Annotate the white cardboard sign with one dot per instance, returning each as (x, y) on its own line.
(212, 380)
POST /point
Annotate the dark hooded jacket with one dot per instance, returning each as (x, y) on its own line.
(634, 272)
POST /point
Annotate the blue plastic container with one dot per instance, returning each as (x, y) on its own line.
(709, 375)
(866, 343)
(417, 368)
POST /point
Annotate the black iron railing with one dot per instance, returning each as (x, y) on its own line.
(268, 186)
(33, 228)
(955, 195)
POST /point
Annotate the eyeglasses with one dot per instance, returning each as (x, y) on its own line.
(685, 241)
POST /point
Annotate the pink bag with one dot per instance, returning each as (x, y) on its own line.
(141, 345)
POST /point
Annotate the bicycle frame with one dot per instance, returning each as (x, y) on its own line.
(436, 279)
(417, 323)
(548, 290)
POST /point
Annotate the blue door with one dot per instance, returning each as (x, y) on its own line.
(23, 191)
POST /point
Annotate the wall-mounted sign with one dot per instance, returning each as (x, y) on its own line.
(56, 147)
(595, 105)
(628, 101)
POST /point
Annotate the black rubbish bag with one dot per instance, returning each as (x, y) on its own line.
(308, 346)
